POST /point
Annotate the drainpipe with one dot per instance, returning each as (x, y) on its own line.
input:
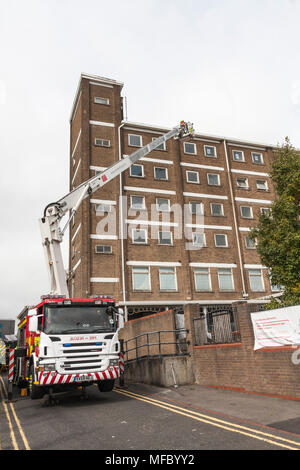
(121, 229)
(235, 222)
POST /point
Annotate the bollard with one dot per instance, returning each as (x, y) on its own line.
(121, 363)
(11, 364)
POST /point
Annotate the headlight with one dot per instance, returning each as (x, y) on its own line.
(114, 362)
(49, 367)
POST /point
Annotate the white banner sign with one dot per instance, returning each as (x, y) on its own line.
(279, 327)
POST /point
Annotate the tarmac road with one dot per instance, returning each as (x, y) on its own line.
(140, 417)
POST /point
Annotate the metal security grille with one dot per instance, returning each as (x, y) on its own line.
(216, 325)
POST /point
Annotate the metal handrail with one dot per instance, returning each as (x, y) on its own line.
(159, 344)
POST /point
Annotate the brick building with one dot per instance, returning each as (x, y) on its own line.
(223, 184)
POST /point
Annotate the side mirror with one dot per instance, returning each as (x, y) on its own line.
(33, 324)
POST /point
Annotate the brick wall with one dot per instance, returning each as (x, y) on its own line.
(152, 323)
(237, 366)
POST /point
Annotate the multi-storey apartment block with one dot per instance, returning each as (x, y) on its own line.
(197, 201)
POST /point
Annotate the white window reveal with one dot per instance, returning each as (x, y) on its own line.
(202, 279)
(213, 179)
(210, 151)
(262, 185)
(225, 279)
(238, 156)
(196, 208)
(103, 249)
(102, 142)
(137, 202)
(141, 279)
(139, 236)
(137, 171)
(135, 140)
(160, 173)
(167, 279)
(216, 209)
(242, 183)
(199, 239)
(221, 240)
(192, 177)
(257, 158)
(250, 244)
(256, 280)
(165, 238)
(246, 212)
(99, 100)
(162, 205)
(189, 148)
(161, 146)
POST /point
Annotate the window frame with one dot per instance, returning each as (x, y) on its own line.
(137, 208)
(173, 269)
(189, 153)
(198, 271)
(161, 168)
(103, 252)
(159, 240)
(199, 204)
(198, 244)
(101, 140)
(163, 143)
(246, 181)
(137, 176)
(105, 101)
(223, 235)
(231, 276)
(213, 147)
(249, 247)
(216, 204)
(108, 207)
(248, 207)
(261, 278)
(133, 145)
(147, 272)
(213, 174)
(192, 182)
(163, 210)
(262, 158)
(238, 151)
(266, 188)
(133, 241)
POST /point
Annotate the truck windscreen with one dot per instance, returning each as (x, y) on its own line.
(81, 319)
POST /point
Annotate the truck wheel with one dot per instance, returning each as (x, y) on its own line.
(35, 391)
(106, 385)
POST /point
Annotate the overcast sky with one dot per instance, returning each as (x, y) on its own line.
(230, 66)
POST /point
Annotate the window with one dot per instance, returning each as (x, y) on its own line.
(199, 239)
(196, 208)
(163, 205)
(265, 210)
(257, 158)
(216, 208)
(192, 176)
(139, 236)
(161, 146)
(167, 279)
(160, 173)
(250, 244)
(262, 185)
(246, 212)
(165, 238)
(137, 202)
(135, 140)
(238, 156)
(213, 179)
(99, 100)
(102, 142)
(202, 279)
(137, 171)
(221, 240)
(103, 249)
(102, 207)
(210, 151)
(256, 280)
(242, 183)
(225, 279)
(189, 148)
(141, 279)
